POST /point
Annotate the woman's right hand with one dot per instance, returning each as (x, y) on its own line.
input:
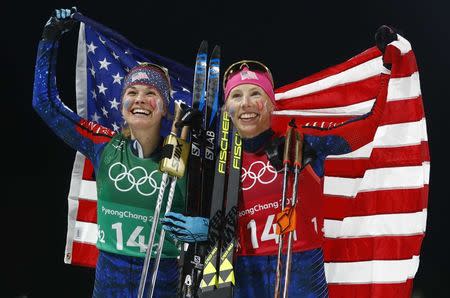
(60, 22)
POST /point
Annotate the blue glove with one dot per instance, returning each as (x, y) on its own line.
(186, 228)
(60, 22)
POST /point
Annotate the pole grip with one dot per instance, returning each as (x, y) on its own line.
(298, 149)
(184, 132)
(175, 151)
(177, 108)
(287, 146)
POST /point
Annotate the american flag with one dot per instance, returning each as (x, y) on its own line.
(103, 59)
(376, 196)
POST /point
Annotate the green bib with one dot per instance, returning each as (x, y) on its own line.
(127, 190)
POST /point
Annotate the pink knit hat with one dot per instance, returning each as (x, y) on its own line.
(259, 78)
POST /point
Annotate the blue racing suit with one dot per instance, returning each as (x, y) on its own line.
(117, 272)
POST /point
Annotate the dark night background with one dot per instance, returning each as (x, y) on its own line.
(294, 39)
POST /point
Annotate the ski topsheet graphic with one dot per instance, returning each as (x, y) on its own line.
(202, 160)
(218, 274)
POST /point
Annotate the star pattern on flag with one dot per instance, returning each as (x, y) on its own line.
(101, 40)
(114, 104)
(117, 79)
(102, 89)
(95, 117)
(104, 64)
(115, 126)
(92, 70)
(91, 48)
(105, 112)
(108, 60)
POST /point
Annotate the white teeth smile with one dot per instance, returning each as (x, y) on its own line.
(248, 115)
(140, 111)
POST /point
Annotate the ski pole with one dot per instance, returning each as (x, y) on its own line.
(161, 240)
(286, 162)
(297, 167)
(168, 165)
(168, 207)
(148, 254)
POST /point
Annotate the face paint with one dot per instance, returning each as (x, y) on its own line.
(231, 111)
(249, 102)
(127, 103)
(159, 106)
(260, 105)
(268, 107)
(153, 104)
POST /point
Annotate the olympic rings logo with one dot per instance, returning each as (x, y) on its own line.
(259, 176)
(125, 180)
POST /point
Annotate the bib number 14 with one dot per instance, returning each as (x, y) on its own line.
(135, 239)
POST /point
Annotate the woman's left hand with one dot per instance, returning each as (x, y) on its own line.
(186, 228)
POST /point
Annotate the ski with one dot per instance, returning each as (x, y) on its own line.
(193, 195)
(210, 124)
(208, 106)
(226, 280)
(195, 160)
(218, 274)
(211, 264)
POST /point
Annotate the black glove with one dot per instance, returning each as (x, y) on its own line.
(384, 36)
(191, 117)
(274, 151)
(60, 22)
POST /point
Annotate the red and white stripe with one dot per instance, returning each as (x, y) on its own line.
(82, 200)
(82, 223)
(376, 196)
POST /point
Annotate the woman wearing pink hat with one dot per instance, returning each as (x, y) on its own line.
(125, 163)
(250, 101)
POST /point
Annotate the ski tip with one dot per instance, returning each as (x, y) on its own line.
(203, 46)
(216, 50)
